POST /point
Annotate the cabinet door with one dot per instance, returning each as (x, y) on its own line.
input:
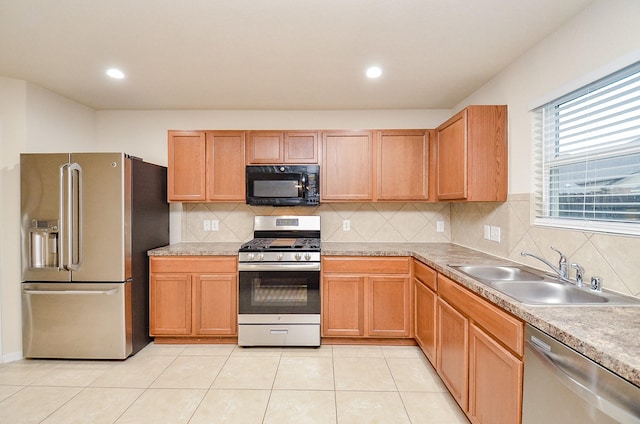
(186, 166)
(425, 318)
(301, 147)
(451, 162)
(347, 166)
(389, 306)
(452, 352)
(403, 165)
(170, 304)
(225, 166)
(342, 306)
(214, 304)
(495, 381)
(265, 147)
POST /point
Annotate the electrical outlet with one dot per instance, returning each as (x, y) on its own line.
(206, 225)
(440, 226)
(487, 232)
(214, 225)
(346, 225)
(495, 234)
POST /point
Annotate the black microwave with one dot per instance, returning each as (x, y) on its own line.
(283, 185)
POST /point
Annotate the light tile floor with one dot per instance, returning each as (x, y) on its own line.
(199, 384)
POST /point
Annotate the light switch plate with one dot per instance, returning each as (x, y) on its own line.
(487, 232)
(440, 226)
(214, 225)
(206, 225)
(346, 225)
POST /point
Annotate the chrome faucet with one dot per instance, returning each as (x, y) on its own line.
(561, 269)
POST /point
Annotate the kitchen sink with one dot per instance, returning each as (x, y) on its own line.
(499, 272)
(533, 287)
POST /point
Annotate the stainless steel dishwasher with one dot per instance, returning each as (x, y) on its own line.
(563, 386)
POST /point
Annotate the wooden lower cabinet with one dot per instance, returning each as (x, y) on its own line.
(425, 301)
(193, 298)
(366, 297)
(495, 378)
(453, 352)
(479, 357)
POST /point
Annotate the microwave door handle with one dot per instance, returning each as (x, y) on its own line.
(75, 217)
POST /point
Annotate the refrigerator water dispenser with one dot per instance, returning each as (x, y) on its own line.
(44, 244)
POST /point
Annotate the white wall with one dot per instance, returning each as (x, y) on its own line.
(603, 34)
(32, 119)
(12, 141)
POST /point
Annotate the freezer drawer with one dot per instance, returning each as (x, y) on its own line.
(79, 321)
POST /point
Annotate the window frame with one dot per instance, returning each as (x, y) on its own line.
(541, 198)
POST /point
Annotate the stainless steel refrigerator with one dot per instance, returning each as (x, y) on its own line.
(88, 220)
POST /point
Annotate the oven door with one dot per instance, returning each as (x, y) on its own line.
(279, 289)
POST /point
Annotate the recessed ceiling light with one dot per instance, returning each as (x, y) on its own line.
(374, 72)
(115, 73)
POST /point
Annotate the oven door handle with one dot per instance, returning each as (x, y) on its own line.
(315, 266)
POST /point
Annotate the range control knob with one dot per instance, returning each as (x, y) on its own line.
(279, 256)
(251, 256)
(298, 256)
(261, 256)
(307, 256)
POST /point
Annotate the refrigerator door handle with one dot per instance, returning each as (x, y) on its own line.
(75, 216)
(62, 239)
(84, 292)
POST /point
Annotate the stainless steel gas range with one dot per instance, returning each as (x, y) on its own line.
(279, 283)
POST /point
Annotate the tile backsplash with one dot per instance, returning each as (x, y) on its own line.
(612, 257)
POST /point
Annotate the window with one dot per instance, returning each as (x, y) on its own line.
(590, 156)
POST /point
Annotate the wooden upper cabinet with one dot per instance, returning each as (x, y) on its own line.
(348, 172)
(225, 166)
(471, 155)
(206, 166)
(403, 165)
(186, 173)
(276, 147)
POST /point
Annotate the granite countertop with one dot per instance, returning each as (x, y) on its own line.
(609, 335)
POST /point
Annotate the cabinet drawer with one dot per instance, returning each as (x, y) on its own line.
(506, 328)
(353, 265)
(425, 274)
(193, 264)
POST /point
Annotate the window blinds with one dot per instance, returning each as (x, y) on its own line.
(588, 151)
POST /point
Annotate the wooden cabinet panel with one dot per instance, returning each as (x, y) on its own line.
(170, 304)
(277, 147)
(389, 308)
(225, 166)
(265, 147)
(403, 165)
(471, 155)
(495, 381)
(452, 159)
(342, 306)
(214, 311)
(347, 166)
(186, 173)
(193, 296)
(425, 317)
(452, 356)
(503, 326)
(366, 297)
(301, 147)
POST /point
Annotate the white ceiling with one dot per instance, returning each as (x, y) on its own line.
(270, 54)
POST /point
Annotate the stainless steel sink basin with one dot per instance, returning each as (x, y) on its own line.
(547, 293)
(499, 272)
(533, 287)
